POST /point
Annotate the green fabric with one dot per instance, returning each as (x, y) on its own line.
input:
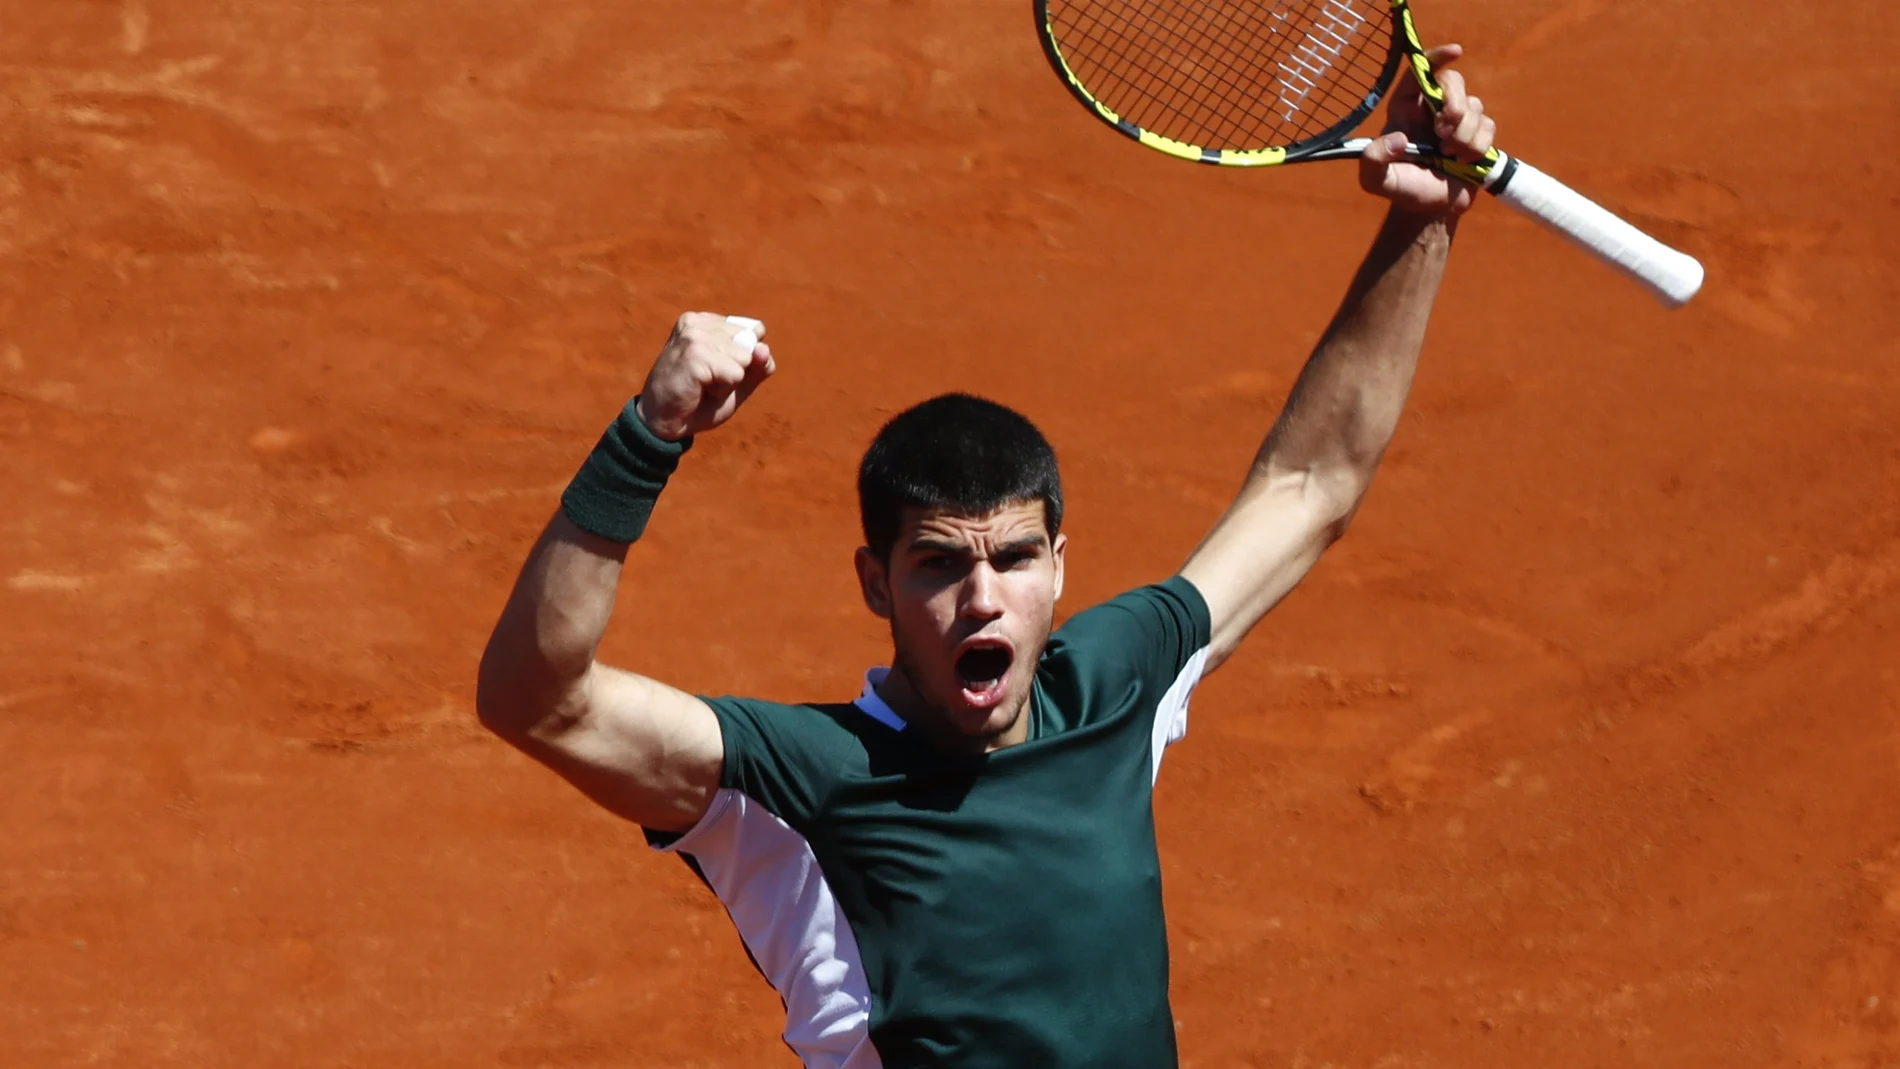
(1008, 907)
(614, 492)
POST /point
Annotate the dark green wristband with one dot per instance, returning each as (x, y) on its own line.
(613, 494)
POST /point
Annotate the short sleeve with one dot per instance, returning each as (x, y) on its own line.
(1148, 634)
(777, 755)
(1149, 644)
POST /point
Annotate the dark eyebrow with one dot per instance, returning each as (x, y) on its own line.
(926, 544)
(1026, 542)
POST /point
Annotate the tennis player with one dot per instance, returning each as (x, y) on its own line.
(958, 868)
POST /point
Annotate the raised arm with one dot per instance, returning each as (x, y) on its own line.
(643, 750)
(1318, 459)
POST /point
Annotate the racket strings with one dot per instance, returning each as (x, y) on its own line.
(1129, 60)
(1227, 73)
(1246, 77)
(1145, 51)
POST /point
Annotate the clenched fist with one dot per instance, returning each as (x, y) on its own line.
(702, 376)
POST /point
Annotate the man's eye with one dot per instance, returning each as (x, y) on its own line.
(1009, 561)
(940, 562)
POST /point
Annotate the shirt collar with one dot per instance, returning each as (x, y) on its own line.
(874, 706)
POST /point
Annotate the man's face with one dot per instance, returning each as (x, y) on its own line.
(971, 600)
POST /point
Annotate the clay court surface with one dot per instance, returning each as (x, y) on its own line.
(1582, 750)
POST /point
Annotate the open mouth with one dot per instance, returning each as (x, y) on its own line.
(981, 668)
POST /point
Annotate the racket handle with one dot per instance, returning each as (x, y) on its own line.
(1672, 276)
(747, 337)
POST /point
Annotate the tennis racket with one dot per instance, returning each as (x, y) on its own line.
(1260, 83)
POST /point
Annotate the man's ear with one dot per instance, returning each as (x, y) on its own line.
(1059, 550)
(874, 582)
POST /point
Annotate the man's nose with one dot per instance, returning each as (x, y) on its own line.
(982, 593)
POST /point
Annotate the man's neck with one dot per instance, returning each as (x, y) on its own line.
(903, 698)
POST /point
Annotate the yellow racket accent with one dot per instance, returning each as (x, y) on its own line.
(1415, 50)
(1260, 157)
(1168, 144)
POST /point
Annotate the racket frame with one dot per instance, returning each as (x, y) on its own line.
(1329, 144)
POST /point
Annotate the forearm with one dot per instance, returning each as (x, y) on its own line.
(1345, 405)
(542, 649)
(1317, 462)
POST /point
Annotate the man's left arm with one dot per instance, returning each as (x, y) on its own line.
(1318, 460)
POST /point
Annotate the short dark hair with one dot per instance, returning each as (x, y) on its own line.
(957, 452)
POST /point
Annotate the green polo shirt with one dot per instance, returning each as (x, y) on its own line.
(915, 908)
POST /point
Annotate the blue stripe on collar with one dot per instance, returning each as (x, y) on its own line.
(874, 706)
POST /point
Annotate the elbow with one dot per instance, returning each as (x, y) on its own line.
(518, 703)
(1333, 496)
(501, 703)
(1337, 518)
(1326, 491)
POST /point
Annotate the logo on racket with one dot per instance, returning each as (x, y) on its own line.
(1314, 56)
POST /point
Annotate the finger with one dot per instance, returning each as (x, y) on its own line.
(703, 329)
(1467, 132)
(710, 347)
(721, 366)
(1375, 164)
(1444, 55)
(1381, 152)
(699, 322)
(733, 370)
(1452, 111)
(1487, 137)
(682, 325)
(1465, 199)
(755, 377)
(1475, 134)
(762, 359)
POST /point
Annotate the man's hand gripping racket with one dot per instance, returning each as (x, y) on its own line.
(1260, 83)
(1394, 167)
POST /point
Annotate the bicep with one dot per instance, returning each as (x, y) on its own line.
(1260, 550)
(641, 749)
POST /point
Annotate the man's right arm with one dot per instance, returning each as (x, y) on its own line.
(643, 750)
(640, 748)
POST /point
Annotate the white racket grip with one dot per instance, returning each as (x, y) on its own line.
(748, 336)
(1672, 276)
